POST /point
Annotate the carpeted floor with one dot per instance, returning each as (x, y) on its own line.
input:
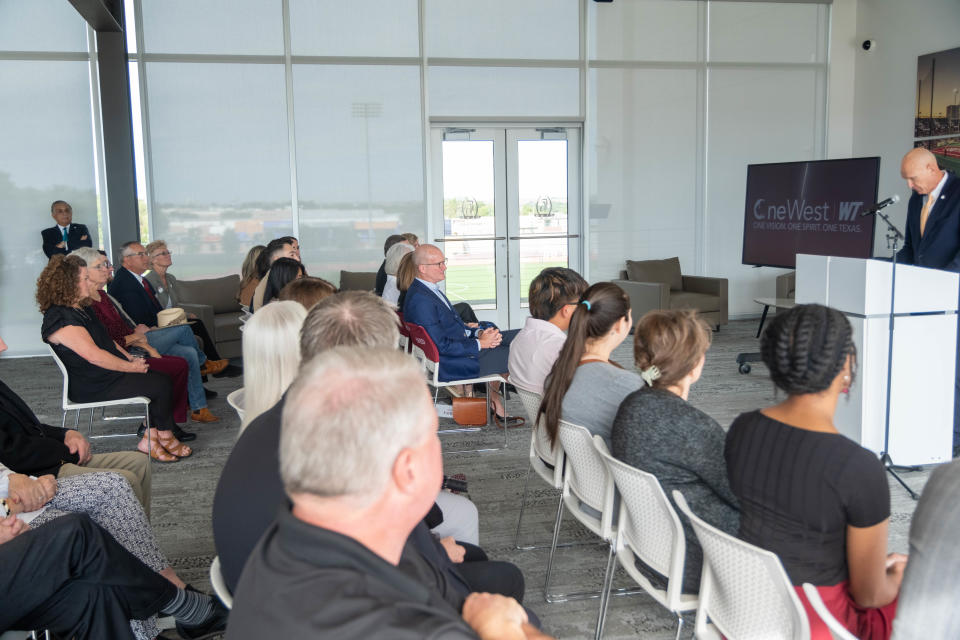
(183, 492)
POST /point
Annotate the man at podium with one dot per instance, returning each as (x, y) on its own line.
(933, 231)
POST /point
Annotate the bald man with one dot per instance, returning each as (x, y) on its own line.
(933, 214)
(933, 232)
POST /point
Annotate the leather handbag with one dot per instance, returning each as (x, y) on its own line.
(470, 412)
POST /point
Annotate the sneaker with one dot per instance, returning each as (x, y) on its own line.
(213, 627)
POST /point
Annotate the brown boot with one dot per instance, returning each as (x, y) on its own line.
(211, 367)
(204, 415)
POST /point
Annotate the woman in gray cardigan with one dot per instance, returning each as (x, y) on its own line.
(658, 431)
(165, 286)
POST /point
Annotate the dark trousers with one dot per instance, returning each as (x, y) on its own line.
(152, 384)
(72, 577)
(495, 360)
(209, 348)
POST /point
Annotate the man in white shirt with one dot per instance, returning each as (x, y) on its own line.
(553, 297)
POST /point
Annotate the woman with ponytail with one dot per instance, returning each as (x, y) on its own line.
(585, 387)
(658, 431)
(809, 494)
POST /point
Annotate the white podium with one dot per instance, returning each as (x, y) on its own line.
(924, 352)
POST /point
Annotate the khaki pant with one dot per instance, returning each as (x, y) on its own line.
(132, 465)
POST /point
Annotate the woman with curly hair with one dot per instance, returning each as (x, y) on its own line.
(99, 368)
(815, 498)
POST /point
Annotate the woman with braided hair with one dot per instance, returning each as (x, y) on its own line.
(815, 498)
(585, 386)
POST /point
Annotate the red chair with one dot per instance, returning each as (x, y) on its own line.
(404, 333)
(425, 350)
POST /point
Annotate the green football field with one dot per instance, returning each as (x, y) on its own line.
(476, 282)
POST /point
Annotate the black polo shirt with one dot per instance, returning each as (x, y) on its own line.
(303, 581)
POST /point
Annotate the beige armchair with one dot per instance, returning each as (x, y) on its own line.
(658, 284)
(214, 301)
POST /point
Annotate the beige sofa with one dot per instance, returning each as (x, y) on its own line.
(659, 284)
(214, 301)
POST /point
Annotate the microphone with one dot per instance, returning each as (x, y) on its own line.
(894, 199)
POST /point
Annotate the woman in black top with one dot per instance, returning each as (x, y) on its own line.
(810, 495)
(658, 431)
(99, 368)
(282, 272)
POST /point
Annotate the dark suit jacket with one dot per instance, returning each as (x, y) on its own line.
(26, 445)
(939, 248)
(135, 300)
(381, 278)
(52, 237)
(455, 341)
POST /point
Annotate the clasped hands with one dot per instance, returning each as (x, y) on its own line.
(489, 338)
(29, 494)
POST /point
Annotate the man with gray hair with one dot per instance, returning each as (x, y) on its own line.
(331, 566)
(250, 491)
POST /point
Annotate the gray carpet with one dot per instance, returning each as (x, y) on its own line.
(183, 492)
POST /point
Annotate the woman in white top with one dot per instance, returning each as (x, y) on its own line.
(390, 265)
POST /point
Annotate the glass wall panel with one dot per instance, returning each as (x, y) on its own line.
(41, 25)
(221, 166)
(504, 91)
(519, 29)
(46, 156)
(651, 30)
(766, 32)
(756, 116)
(213, 26)
(355, 28)
(359, 163)
(643, 168)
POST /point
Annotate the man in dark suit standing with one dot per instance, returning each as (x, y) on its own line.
(933, 232)
(65, 236)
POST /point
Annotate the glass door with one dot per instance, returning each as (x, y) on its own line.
(506, 206)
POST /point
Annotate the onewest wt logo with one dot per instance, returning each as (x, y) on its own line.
(848, 210)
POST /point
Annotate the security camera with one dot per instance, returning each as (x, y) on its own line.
(869, 45)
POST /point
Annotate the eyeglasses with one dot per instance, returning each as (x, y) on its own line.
(104, 266)
(436, 264)
(162, 253)
(138, 254)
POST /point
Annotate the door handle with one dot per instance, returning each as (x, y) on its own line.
(572, 235)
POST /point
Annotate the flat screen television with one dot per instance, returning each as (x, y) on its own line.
(811, 207)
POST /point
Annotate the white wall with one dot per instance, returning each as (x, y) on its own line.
(886, 80)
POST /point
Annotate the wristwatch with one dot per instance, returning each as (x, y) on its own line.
(4, 509)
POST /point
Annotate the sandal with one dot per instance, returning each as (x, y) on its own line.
(157, 451)
(174, 446)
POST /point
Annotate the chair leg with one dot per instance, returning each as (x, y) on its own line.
(679, 626)
(63, 420)
(605, 590)
(76, 420)
(553, 550)
(523, 503)
(90, 424)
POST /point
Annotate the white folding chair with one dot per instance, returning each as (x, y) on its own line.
(219, 584)
(744, 590)
(837, 630)
(585, 482)
(546, 460)
(69, 405)
(22, 635)
(648, 529)
(426, 352)
(235, 400)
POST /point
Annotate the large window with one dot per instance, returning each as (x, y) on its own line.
(46, 150)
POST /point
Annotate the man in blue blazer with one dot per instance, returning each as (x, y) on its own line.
(65, 236)
(466, 350)
(933, 232)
